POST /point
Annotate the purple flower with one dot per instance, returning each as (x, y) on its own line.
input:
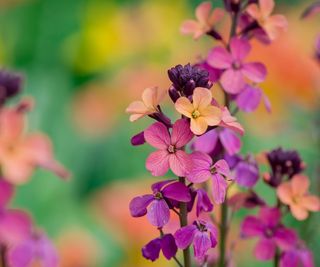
(203, 202)
(166, 244)
(6, 193)
(204, 169)
(138, 139)
(250, 97)
(318, 47)
(297, 257)
(236, 69)
(214, 74)
(202, 234)
(10, 85)
(156, 205)
(266, 226)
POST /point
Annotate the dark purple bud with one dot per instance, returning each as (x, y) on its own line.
(162, 118)
(215, 35)
(311, 10)
(138, 139)
(10, 85)
(189, 87)
(232, 5)
(173, 93)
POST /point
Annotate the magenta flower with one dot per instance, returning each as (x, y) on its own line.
(267, 227)
(236, 69)
(202, 234)
(166, 244)
(318, 48)
(170, 153)
(204, 169)
(297, 257)
(156, 205)
(203, 202)
(6, 192)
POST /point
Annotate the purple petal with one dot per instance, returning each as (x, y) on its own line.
(213, 233)
(219, 188)
(203, 202)
(247, 174)
(201, 164)
(181, 133)
(138, 205)
(265, 249)
(289, 259)
(270, 216)
(157, 135)
(158, 213)
(306, 257)
(206, 143)
(6, 192)
(251, 226)
(214, 74)
(22, 254)
(156, 187)
(248, 100)
(230, 141)
(180, 163)
(158, 162)
(222, 167)
(168, 246)
(184, 236)
(201, 244)
(219, 58)
(138, 139)
(285, 238)
(151, 251)
(232, 81)
(177, 191)
(255, 71)
(240, 48)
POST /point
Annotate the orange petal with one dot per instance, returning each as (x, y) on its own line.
(266, 7)
(202, 98)
(137, 109)
(11, 124)
(150, 98)
(203, 12)
(198, 126)
(311, 203)
(189, 27)
(300, 184)
(212, 115)
(284, 193)
(184, 106)
(299, 212)
(16, 170)
(216, 15)
(254, 11)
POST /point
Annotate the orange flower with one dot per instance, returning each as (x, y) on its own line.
(205, 20)
(200, 111)
(262, 14)
(295, 194)
(151, 97)
(20, 154)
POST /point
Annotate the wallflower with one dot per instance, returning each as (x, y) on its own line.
(205, 20)
(21, 153)
(203, 202)
(230, 122)
(204, 169)
(166, 244)
(202, 234)
(156, 205)
(236, 69)
(272, 25)
(151, 97)
(170, 153)
(297, 257)
(10, 85)
(200, 111)
(318, 48)
(294, 193)
(266, 226)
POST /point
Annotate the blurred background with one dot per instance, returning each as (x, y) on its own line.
(85, 61)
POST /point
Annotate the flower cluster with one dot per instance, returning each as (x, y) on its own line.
(21, 243)
(201, 149)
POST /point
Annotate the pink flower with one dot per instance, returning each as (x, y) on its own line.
(21, 153)
(272, 25)
(236, 70)
(205, 20)
(204, 169)
(170, 153)
(294, 193)
(230, 122)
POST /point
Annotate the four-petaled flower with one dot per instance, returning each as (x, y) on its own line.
(151, 97)
(204, 169)
(294, 193)
(156, 205)
(205, 20)
(201, 112)
(236, 69)
(202, 234)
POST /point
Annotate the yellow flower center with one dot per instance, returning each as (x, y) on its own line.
(195, 114)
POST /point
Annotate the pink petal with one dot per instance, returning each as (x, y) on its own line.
(158, 213)
(240, 48)
(219, 188)
(300, 184)
(255, 71)
(249, 99)
(285, 238)
(158, 163)
(216, 15)
(265, 249)
(184, 236)
(157, 135)
(203, 12)
(219, 58)
(230, 122)
(6, 193)
(190, 27)
(310, 202)
(230, 141)
(181, 133)
(206, 143)
(270, 216)
(200, 172)
(180, 163)
(222, 167)
(266, 7)
(12, 124)
(284, 192)
(232, 81)
(251, 227)
(201, 244)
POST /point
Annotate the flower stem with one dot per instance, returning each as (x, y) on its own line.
(276, 259)
(3, 252)
(223, 234)
(184, 222)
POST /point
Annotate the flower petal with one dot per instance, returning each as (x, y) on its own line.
(151, 97)
(181, 133)
(201, 244)
(212, 115)
(180, 163)
(138, 205)
(203, 202)
(247, 174)
(158, 213)
(138, 110)
(219, 58)
(285, 238)
(184, 106)
(222, 167)
(266, 7)
(168, 246)
(6, 193)
(248, 100)
(270, 216)
(219, 188)
(265, 249)
(311, 203)
(158, 162)
(201, 98)
(232, 81)
(285, 194)
(251, 227)
(190, 27)
(230, 141)
(300, 184)
(203, 12)
(206, 143)
(199, 126)
(151, 251)
(299, 212)
(157, 135)
(201, 164)
(216, 15)
(255, 71)
(185, 235)
(177, 191)
(240, 48)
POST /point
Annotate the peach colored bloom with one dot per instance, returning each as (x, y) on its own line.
(21, 153)
(200, 111)
(151, 97)
(206, 19)
(262, 14)
(295, 194)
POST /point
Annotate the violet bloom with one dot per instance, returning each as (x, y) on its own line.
(10, 85)
(318, 47)
(297, 257)
(204, 169)
(36, 249)
(271, 233)
(236, 69)
(203, 202)
(166, 244)
(202, 234)
(156, 205)
(214, 74)
(170, 153)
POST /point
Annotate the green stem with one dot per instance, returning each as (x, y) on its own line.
(276, 259)
(223, 234)
(184, 222)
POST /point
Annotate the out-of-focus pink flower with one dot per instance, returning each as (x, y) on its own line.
(297, 257)
(230, 122)
(6, 192)
(151, 97)
(233, 78)
(318, 48)
(294, 193)
(201, 112)
(206, 20)
(170, 152)
(21, 153)
(271, 24)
